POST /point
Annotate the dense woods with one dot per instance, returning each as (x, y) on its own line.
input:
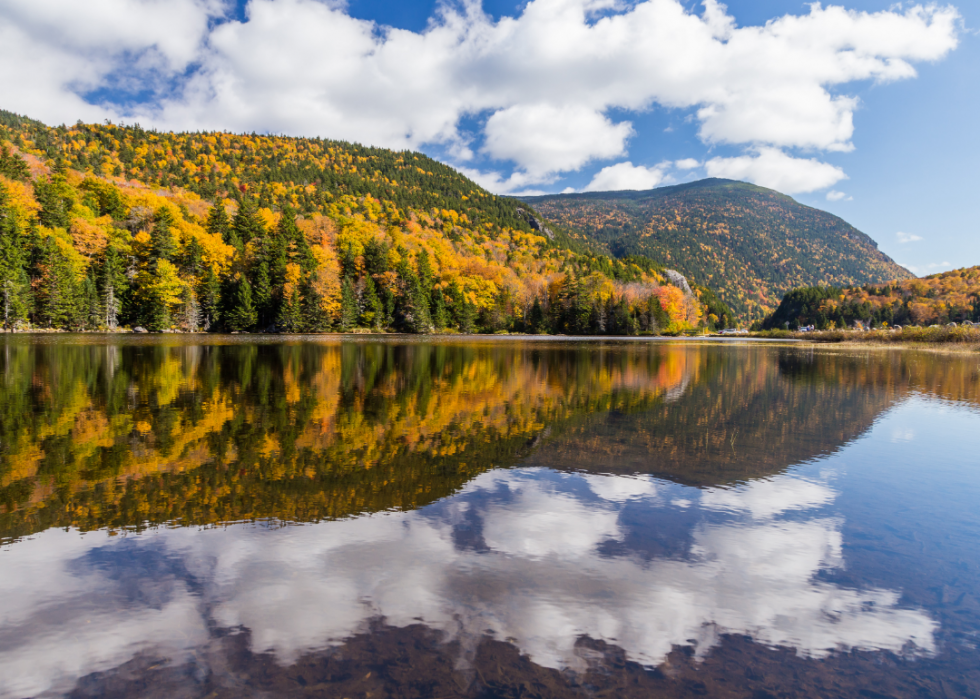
(105, 226)
(947, 297)
(749, 243)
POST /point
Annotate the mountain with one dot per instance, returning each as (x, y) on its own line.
(941, 298)
(103, 225)
(749, 243)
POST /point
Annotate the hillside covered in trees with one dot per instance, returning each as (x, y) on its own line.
(104, 226)
(749, 243)
(947, 297)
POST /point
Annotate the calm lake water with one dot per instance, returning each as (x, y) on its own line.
(224, 518)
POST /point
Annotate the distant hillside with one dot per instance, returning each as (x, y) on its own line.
(749, 243)
(937, 299)
(104, 226)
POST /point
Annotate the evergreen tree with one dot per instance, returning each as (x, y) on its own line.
(246, 225)
(315, 318)
(13, 166)
(348, 305)
(243, 315)
(373, 314)
(290, 319)
(54, 196)
(218, 223)
(92, 303)
(209, 297)
(262, 296)
(162, 243)
(440, 315)
(57, 290)
(535, 320)
(424, 270)
(192, 258)
(375, 257)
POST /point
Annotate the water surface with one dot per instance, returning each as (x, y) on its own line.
(225, 517)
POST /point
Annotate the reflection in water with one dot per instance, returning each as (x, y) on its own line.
(529, 555)
(343, 514)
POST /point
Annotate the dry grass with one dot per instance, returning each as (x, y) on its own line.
(961, 338)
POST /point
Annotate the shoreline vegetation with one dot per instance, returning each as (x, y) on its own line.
(959, 338)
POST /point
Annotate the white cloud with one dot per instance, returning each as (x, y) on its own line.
(543, 139)
(625, 176)
(687, 164)
(834, 195)
(772, 168)
(904, 238)
(545, 80)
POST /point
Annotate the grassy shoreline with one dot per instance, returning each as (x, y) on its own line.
(963, 339)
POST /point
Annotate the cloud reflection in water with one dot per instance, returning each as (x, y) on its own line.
(523, 554)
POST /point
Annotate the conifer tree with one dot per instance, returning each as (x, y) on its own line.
(290, 319)
(243, 315)
(262, 296)
(163, 245)
(373, 313)
(57, 290)
(535, 320)
(190, 311)
(440, 315)
(218, 223)
(13, 166)
(424, 267)
(209, 297)
(14, 284)
(246, 225)
(315, 318)
(348, 305)
(54, 196)
(92, 303)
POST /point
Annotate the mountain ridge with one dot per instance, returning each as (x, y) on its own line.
(750, 243)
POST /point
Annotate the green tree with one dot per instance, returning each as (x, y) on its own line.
(246, 225)
(315, 318)
(57, 288)
(373, 314)
(218, 223)
(14, 284)
(13, 166)
(290, 319)
(262, 296)
(209, 297)
(348, 305)
(243, 315)
(162, 243)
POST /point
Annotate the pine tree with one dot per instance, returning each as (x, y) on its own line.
(424, 271)
(440, 315)
(535, 320)
(209, 297)
(92, 303)
(218, 223)
(14, 284)
(163, 245)
(243, 315)
(13, 166)
(54, 196)
(262, 296)
(192, 259)
(348, 305)
(57, 289)
(373, 313)
(315, 318)
(290, 319)
(246, 225)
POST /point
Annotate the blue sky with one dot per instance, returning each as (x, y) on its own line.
(866, 109)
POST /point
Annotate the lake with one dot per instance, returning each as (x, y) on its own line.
(246, 516)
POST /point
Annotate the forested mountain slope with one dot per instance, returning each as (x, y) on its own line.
(945, 297)
(106, 225)
(749, 243)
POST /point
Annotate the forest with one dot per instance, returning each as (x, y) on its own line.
(106, 227)
(748, 243)
(946, 297)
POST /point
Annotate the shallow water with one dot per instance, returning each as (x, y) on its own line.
(486, 519)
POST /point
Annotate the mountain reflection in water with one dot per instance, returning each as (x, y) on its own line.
(576, 504)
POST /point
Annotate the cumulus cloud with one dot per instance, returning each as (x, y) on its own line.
(541, 579)
(625, 176)
(834, 195)
(907, 237)
(687, 163)
(922, 270)
(541, 84)
(772, 168)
